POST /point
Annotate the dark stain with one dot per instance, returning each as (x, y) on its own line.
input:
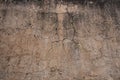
(4, 13)
(40, 15)
(59, 71)
(53, 69)
(27, 73)
(28, 25)
(8, 58)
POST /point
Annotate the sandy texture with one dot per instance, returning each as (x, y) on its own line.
(59, 42)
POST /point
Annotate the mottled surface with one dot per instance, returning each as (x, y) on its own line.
(59, 42)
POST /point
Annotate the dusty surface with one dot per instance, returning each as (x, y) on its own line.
(63, 42)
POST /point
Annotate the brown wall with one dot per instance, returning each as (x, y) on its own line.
(59, 42)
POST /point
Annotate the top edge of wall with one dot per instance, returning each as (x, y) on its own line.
(55, 6)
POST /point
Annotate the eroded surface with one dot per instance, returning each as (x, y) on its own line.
(67, 42)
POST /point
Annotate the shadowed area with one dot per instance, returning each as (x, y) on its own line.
(99, 2)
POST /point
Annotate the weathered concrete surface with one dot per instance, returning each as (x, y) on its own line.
(59, 42)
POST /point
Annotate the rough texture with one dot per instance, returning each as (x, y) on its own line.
(59, 42)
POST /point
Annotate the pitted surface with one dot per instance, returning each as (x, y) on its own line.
(66, 42)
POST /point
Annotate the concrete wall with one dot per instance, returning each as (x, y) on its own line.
(59, 42)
